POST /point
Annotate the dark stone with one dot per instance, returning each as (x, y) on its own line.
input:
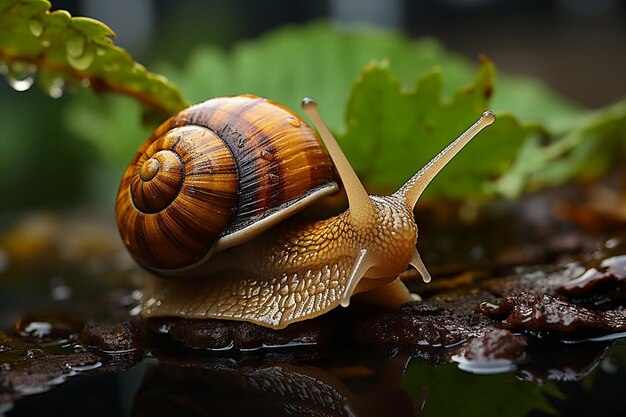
(545, 313)
(496, 344)
(222, 334)
(426, 324)
(598, 286)
(113, 337)
(26, 368)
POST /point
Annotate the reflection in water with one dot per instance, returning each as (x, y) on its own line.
(340, 387)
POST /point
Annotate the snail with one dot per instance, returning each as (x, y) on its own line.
(207, 206)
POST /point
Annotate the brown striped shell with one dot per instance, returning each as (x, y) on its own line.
(215, 175)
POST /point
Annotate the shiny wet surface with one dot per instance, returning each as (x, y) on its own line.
(505, 329)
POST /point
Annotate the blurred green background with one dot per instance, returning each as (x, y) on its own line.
(58, 153)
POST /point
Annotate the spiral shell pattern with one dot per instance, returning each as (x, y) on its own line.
(228, 167)
(182, 191)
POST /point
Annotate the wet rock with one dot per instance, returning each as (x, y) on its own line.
(606, 283)
(536, 312)
(427, 324)
(495, 351)
(222, 334)
(494, 345)
(113, 337)
(27, 368)
(44, 370)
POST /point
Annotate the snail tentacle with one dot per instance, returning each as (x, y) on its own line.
(417, 263)
(411, 191)
(359, 269)
(361, 208)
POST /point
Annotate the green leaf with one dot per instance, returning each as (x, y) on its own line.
(392, 132)
(586, 152)
(67, 50)
(531, 101)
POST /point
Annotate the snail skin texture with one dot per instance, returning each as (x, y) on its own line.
(206, 205)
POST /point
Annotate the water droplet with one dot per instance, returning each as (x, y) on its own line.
(293, 121)
(85, 82)
(33, 353)
(83, 61)
(20, 74)
(135, 311)
(45, 43)
(79, 54)
(55, 90)
(75, 46)
(165, 328)
(86, 367)
(489, 305)
(36, 27)
(79, 348)
(4, 348)
(5, 366)
(39, 329)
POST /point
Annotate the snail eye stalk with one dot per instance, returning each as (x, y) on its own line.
(361, 207)
(411, 191)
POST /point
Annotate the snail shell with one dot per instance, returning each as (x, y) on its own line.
(215, 175)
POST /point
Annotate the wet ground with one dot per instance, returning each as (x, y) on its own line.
(525, 317)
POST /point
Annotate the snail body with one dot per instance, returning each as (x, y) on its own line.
(269, 268)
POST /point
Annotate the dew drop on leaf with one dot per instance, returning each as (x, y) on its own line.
(75, 46)
(36, 27)
(19, 74)
(83, 61)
